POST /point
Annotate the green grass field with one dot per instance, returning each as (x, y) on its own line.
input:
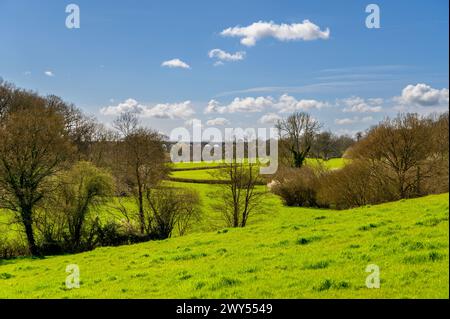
(203, 174)
(193, 171)
(285, 253)
(331, 163)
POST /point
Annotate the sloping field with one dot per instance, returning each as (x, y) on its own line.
(286, 253)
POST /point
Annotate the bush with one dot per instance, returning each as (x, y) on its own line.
(297, 187)
(433, 177)
(12, 248)
(171, 208)
(406, 151)
(81, 189)
(113, 234)
(354, 185)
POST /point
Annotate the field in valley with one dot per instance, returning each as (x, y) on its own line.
(283, 253)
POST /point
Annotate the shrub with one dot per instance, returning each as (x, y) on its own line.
(113, 234)
(12, 248)
(171, 208)
(410, 151)
(355, 185)
(83, 188)
(297, 187)
(65, 222)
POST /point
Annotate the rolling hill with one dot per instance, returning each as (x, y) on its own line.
(286, 253)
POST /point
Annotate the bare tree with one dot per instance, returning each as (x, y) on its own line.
(238, 196)
(81, 189)
(79, 128)
(190, 210)
(170, 208)
(140, 160)
(401, 145)
(33, 147)
(297, 133)
(126, 123)
(324, 145)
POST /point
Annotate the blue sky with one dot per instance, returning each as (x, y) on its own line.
(348, 79)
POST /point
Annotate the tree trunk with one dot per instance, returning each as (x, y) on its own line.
(28, 225)
(77, 235)
(141, 210)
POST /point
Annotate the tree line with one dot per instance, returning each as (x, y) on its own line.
(58, 165)
(402, 157)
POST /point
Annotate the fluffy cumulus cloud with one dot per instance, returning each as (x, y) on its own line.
(269, 118)
(181, 110)
(244, 105)
(250, 104)
(423, 95)
(284, 32)
(215, 107)
(284, 104)
(49, 73)
(354, 120)
(288, 104)
(220, 121)
(221, 56)
(359, 105)
(175, 63)
(130, 105)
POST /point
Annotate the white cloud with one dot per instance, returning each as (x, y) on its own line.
(215, 107)
(422, 95)
(180, 110)
(175, 63)
(247, 104)
(225, 56)
(284, 32)
(269, 118)
(289, 104)
(354, 120)
(49, 73)
(130, 105)
(360, 105)
(285, 104)
(220, 121)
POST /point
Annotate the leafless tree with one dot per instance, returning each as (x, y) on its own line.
(402, 146)
(238, 197)
(34, 146)
(171, 208)
(140, 160)
(296, 134)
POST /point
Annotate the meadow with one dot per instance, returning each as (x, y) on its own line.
(291, 253)
(284, 252)
(207, 170)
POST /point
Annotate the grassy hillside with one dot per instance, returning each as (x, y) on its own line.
(203, 174)
(284, 253)
(206, 170)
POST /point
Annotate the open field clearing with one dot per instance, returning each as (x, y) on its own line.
(208, 170)
(330, 164)
(287, 253)
(204, 174)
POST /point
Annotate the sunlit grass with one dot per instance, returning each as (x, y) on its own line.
(283, 253)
